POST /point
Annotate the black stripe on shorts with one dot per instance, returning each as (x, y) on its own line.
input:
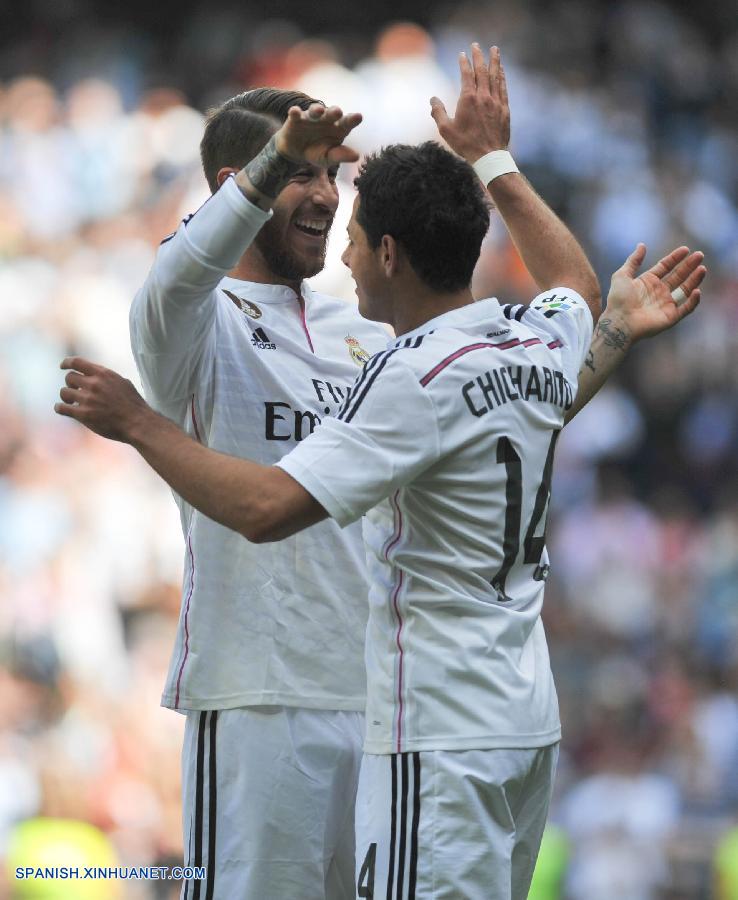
(212, 804)
(393, 828)
(413, 875)
(205, 719)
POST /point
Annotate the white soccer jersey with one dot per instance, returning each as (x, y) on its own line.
(446, 441)
(250, 369)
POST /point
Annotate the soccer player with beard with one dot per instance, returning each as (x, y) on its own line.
(233, 345)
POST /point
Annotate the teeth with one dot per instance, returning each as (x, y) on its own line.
(315, 224)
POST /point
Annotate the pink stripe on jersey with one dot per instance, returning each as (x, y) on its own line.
(194, 420)
(186, 616)
(304, 324)
(553, 345)
(398, 525)
(505, 345)
(395, 595)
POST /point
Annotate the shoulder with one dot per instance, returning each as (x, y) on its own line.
(420, 356)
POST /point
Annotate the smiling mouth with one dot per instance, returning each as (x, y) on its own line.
(313, 227)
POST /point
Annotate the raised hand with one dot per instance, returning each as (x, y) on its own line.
(312, 136)
(101, 400)
(659, 298)
(316, 135)
(481, 122)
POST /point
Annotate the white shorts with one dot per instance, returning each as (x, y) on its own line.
(268, 803)
(447, 825)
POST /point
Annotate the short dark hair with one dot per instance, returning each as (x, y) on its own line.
(432, 203)
(238, 129)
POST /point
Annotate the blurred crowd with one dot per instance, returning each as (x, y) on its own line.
(625, 118)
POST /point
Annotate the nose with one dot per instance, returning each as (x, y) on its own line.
(325, 192)
(345, 257)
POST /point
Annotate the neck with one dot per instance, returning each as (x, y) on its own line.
(253, 267)
(425, 305)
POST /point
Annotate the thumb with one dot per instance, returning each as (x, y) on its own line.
(438, 112)
(633, 263)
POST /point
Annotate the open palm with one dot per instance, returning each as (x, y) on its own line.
(647, 301)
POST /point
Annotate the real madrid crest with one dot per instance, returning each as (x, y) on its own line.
(358, 353)
(251, 309)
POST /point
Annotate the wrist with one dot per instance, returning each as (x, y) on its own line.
(494, 164)
(139, 426)
(616, 331)
(267, 174)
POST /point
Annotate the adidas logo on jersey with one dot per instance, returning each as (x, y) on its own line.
(260, 340)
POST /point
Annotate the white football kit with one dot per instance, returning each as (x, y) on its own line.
(250, 370)
(446, 442)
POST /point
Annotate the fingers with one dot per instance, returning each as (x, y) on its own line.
(69, 395)
(75, 380)
(502, 85)
(690, 305)
(681, 272)
(693, 280)
(665, 265)
(481, 69)
(691, 277)
(494, 66)
(633, 263)
(468, 82)
(349, 122)
(340, 154)
(439, 114)
(65, 409)
(331, 116)
(80, 364)
(314, 113)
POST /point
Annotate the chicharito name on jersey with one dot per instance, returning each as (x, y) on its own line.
(507, 384)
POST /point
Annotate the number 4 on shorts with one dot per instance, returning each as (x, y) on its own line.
(365, 887)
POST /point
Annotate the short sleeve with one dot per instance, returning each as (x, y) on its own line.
(384, 436)
(564, 316)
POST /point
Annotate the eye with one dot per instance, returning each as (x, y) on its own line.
(332, 175)
(303, 175)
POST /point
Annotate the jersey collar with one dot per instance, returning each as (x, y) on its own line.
(264, 293)
(462, 317)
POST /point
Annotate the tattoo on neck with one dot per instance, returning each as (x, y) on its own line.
(613, 336)
(269, 171)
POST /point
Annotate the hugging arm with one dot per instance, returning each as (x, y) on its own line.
(263, 503)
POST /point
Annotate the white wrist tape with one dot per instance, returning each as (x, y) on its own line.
(494, 164)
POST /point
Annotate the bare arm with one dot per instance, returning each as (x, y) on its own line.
(480, 125)
(638, 307)
(263, 503)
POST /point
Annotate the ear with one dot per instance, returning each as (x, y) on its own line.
(224, 173)
(389, 255)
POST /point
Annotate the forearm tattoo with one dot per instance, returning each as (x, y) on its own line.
(613, 336)
(589, 362)
(269, 171)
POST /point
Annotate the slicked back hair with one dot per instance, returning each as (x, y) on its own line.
(432, 203)
(238, 129)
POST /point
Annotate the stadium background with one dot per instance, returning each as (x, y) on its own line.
(625, 117)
